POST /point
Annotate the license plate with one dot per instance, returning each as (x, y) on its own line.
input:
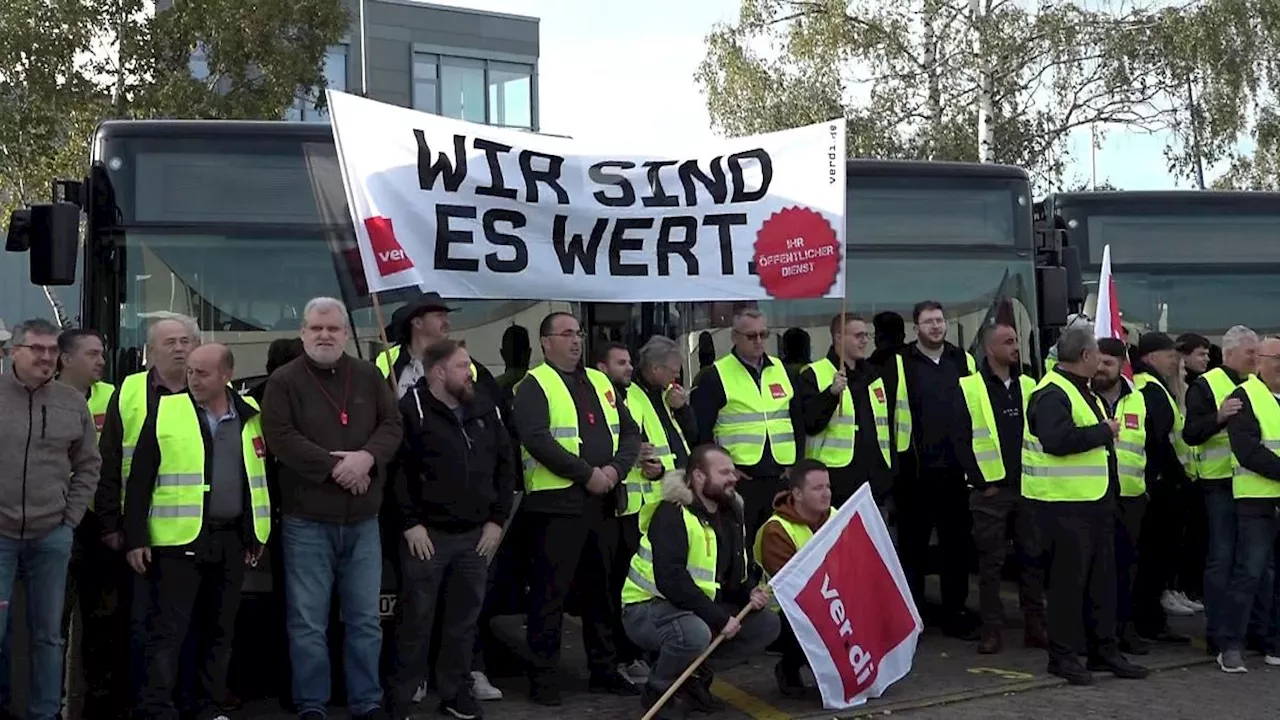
(386, 605)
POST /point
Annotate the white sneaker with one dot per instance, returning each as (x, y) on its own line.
(1195, 605)
(636, 671)
(1171, 605)
(1272, 660)
(420, 693)
(482, 689)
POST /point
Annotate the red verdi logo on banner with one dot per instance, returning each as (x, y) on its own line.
(856, 608)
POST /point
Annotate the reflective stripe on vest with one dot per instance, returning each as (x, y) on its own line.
(700, 563)
(177, 501)
(1082, 477)
(901, 411)
(133, 413)
(1131, 446)
(1214, 460)
(640, 489)
(1244, 482)
(755, 413)
(800, 534)
(563, 422)
(386, 362)
(1180, 446)
(982, 416)
(834, 446)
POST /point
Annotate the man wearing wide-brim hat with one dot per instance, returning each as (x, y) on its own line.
(416, 326)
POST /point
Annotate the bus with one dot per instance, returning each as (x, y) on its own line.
(1182, 261)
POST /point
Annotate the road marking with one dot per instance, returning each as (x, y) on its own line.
(1012, 675)
(746, 702)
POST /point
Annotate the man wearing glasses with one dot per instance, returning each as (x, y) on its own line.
(49, 466)
(746, 403)
(577, 443)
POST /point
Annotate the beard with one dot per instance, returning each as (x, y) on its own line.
(461, 391)
(721, 494)
(324, 354)
(1103, 384)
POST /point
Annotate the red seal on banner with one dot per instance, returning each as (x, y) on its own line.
(797, 254)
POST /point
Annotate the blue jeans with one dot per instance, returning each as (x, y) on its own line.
(317, 556)
(44, 561)
(1220, 509)
(1255, 543)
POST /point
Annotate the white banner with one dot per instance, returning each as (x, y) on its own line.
(848, 602)
(472, 211)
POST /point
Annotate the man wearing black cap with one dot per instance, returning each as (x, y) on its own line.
(419, 324)
(1160, 545)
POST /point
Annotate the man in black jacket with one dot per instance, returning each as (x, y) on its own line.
(454, 493)
(931, 491)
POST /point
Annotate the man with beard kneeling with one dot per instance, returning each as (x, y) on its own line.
(689, 579)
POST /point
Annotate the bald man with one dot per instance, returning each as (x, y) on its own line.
(197, 512)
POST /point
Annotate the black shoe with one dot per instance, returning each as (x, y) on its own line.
(672, 709)
(961, 630)
(1070, 670)
(697, 692)
(613, 683)
(1119, 666)
(544, 692)
(1132, 644)
(462, 706)
(374, 714)
(790, 684)
(1166, 635)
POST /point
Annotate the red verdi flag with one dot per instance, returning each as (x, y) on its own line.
(848, 602)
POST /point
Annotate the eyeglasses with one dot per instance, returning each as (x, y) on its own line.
(861, 335)
(40, 349)
(762, 335)
(567, 334)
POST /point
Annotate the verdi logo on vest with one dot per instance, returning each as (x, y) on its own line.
(856, 608)
(879, 395)
(259, 447)
(387, 253)
(777, 390)
(1131, 421)
(99, 420)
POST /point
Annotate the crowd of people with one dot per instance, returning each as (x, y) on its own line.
(1133, 482)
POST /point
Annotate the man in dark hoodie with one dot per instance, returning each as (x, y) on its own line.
(932, 492)
(454, 491)
(848, 414)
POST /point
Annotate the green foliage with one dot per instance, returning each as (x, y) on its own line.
(910, 77)
(67, 64)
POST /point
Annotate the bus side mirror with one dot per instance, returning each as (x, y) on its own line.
(1051, 296)
(1075, 290)
(54, 243)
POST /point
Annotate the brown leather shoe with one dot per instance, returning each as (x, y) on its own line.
(1036, 635)
(990, 643)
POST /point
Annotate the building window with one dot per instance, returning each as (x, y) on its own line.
(462, 89)
(511, 95)
(335, 76)
(426, 83)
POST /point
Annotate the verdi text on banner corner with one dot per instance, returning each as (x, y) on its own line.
(472, 211)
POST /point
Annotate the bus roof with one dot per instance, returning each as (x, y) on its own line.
(321, 131)
(1135, 201)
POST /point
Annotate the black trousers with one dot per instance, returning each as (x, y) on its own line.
(628, 543)
(1195, 541)
(566, 546)
(202, 588)
(994, 516)
(757, 495)
(938, 499)
(461, 573)
(1130, 512)
(793, 657)
(1079, 540)
(1159, 551)
(103, 583)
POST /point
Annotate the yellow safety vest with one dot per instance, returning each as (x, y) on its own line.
(1131, 446)
(1082, 477)
(986, 436)
(640, 489)
(701, 563)
(800, 535)
(177, 502)
(563, 422)
(387, 360)
(901, 411)
(1244, 482)
(1180, 446)
(133, 413)
(1214, 460)
(99, 398)
(755, 413)
(834, 446)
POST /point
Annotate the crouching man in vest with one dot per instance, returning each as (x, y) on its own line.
(679, 595)
(1254, 433)
(1069, 471)
(197, 512)
(798, 512)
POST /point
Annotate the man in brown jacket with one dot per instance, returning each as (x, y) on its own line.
(331, 421)
(49, 467)
(798, 512)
